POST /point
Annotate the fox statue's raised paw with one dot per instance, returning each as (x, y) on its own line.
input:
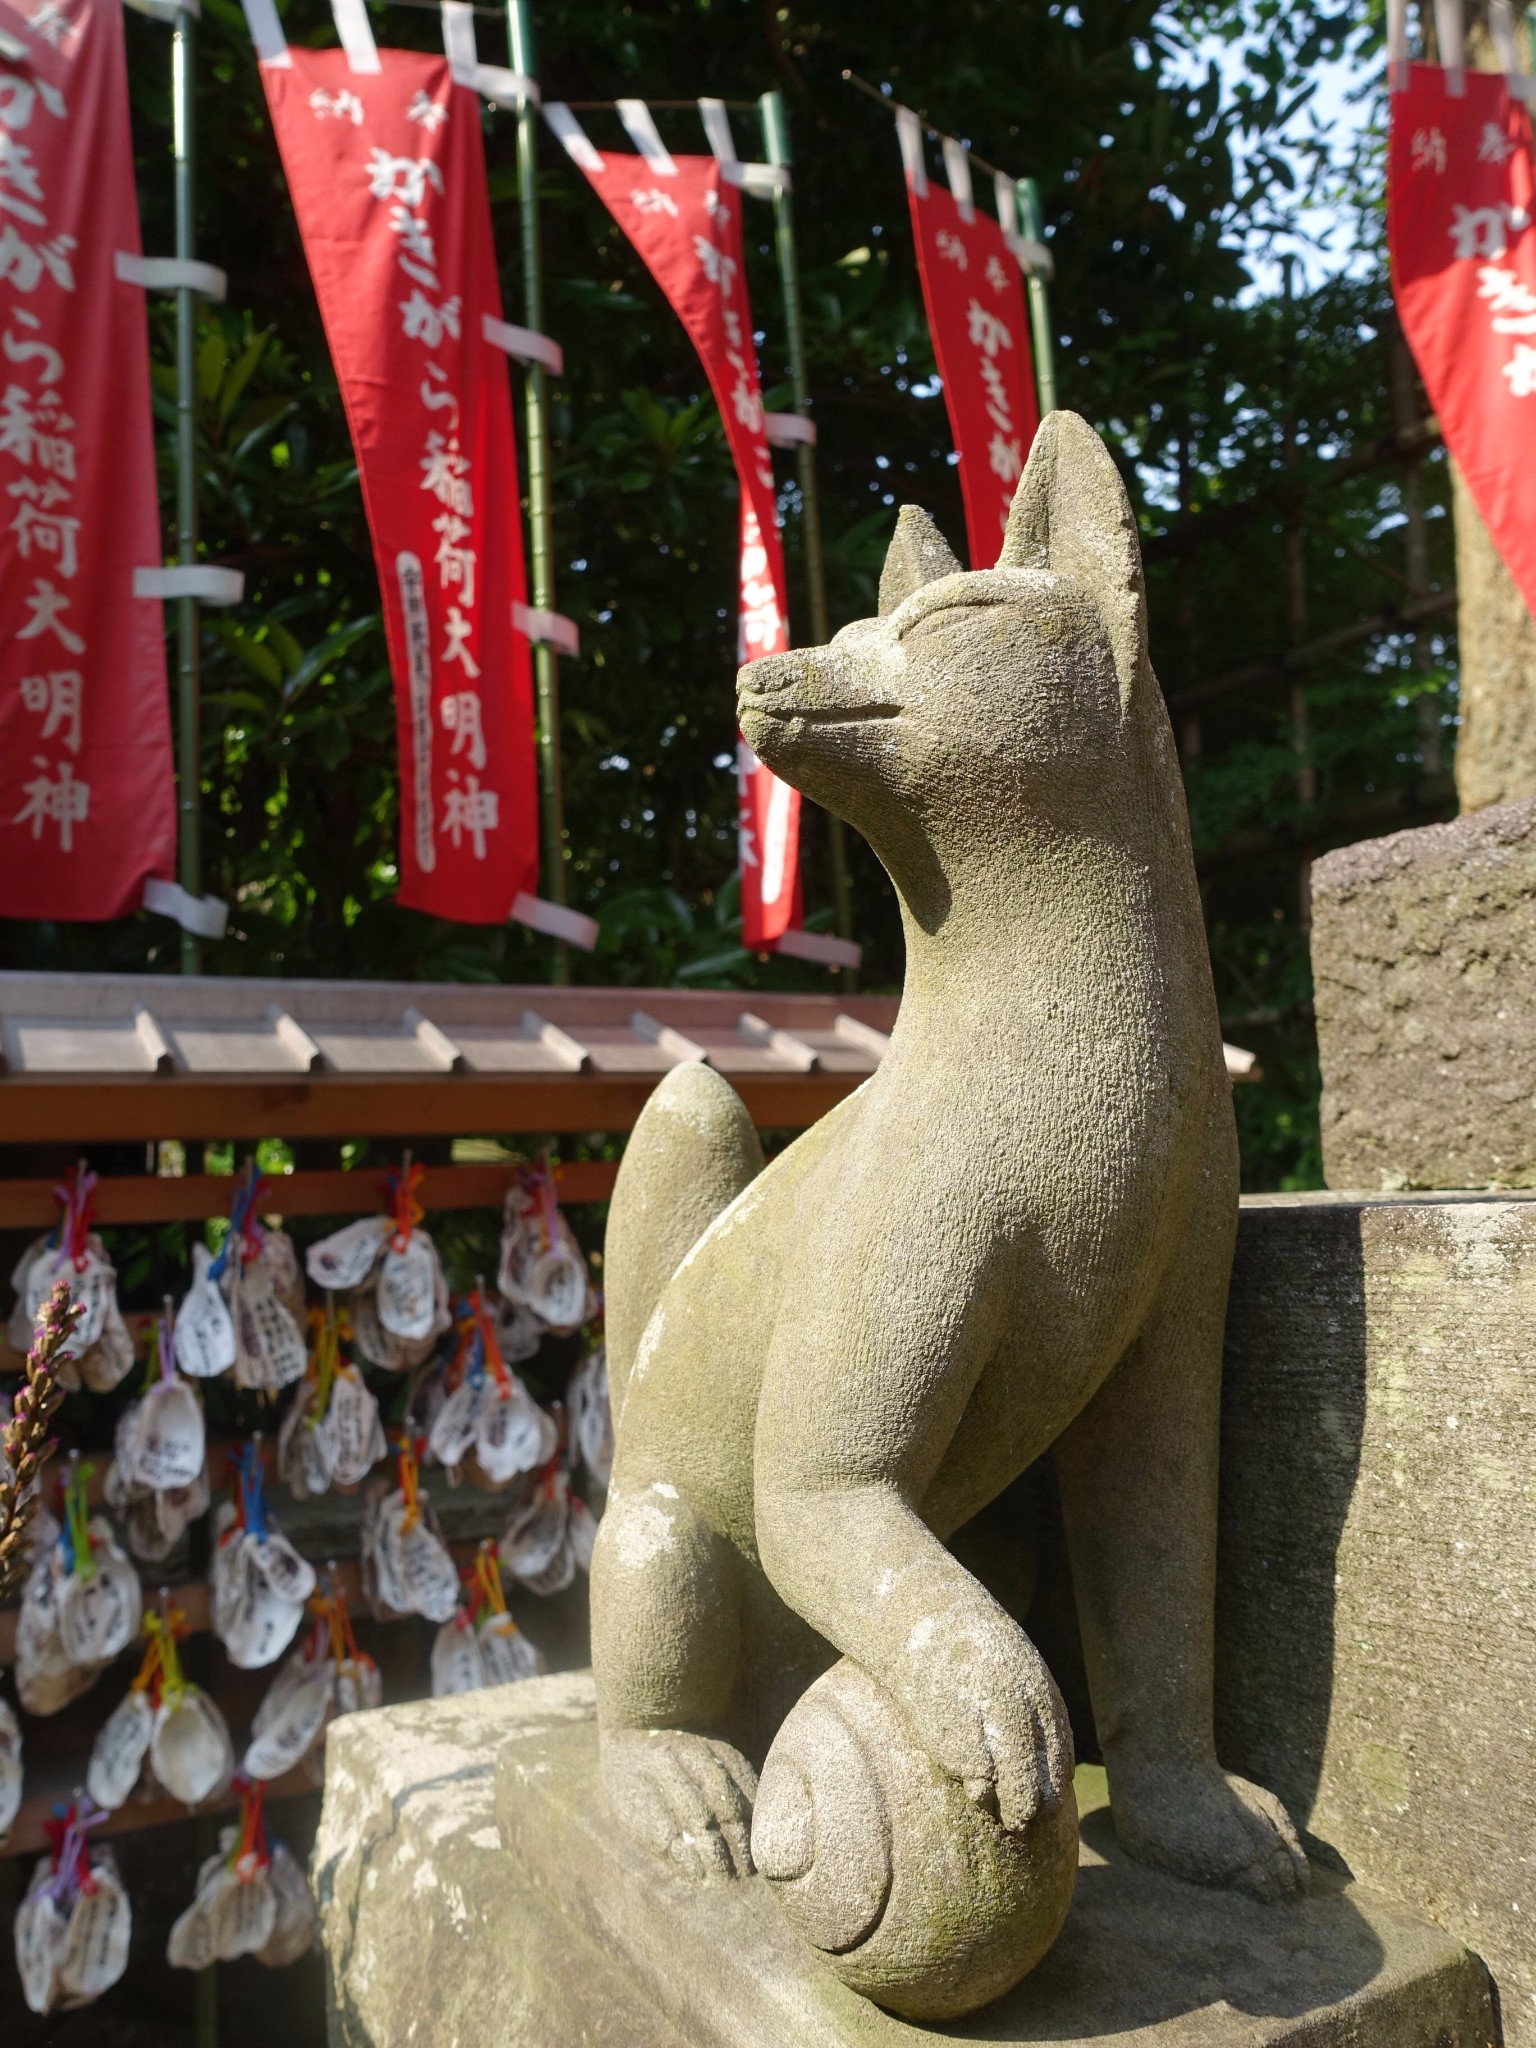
(1014, 1238)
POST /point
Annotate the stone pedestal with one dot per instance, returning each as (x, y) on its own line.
(1376, 1608)
(474, 1891)
(1424, 960)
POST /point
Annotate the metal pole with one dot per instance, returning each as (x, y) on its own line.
(1033, 223)
(189, 767)
(546, 672)
(776, 149)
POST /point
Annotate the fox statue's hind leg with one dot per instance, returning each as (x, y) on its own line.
(666, 1587)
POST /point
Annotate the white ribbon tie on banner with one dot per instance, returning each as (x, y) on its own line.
(191, 579)
(957, 168)
(569, 132)
(170, 274)
(1450, 33)
(523, 343)
(641, 129)
(555, 920)
(760, 181)
(206, 917)
(356, 33)
(909, 133)
(267, 33)
(547, 629)
(493, 82)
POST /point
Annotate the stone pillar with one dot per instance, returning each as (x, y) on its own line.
(1376, 1608)
(1496, 747)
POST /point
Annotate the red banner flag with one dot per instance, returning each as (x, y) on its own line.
(87, 800)
(973, 290)
(1460, 206)
(387, 175)
(684, 218)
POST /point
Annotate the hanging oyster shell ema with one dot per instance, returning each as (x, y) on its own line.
(250, 1899)
(542, 1268)
(259, 1582)
(74, 1926)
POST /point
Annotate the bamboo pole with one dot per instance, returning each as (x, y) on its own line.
(776, 150)
(189, 775)
(546, 670)
(1032, 222)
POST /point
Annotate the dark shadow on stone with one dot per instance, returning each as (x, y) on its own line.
(1293, 1416)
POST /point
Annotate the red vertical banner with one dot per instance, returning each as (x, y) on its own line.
(387, 174)
(683, 216)
(973, 291)
(87, 799)
(1460, 222)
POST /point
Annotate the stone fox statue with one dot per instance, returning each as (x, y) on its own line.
(1014, 1238)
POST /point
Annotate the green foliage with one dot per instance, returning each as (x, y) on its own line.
(1157, 140)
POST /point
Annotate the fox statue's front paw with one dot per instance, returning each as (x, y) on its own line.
(1201, 1823)
(983, 1704)
(687, 1797)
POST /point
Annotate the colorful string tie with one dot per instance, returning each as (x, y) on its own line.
(76, 1197)
(75, 1533)
(71, 1859)
(400, 1187)
(244, 1233)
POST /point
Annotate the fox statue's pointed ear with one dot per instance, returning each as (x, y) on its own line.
(1071, 516)
(918, 554)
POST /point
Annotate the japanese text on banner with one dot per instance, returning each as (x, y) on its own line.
(1459, 217)
(686, 224)
(87, 806)
(387, 173)
(974, 294)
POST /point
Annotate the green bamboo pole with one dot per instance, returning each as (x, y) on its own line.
(189, 774)
(546, 670)
(776, 149)
(1033, 223)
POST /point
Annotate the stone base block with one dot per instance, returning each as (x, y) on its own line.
(475, 1891)
(1424, 959)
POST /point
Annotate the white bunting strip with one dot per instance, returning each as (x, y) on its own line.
(636, 116)
(169, 274)
(504, 88)
(207, 917)
(569, 131)
(1397, 45)
(1450, 33)
(555, 921)
(267, 33)
(13, 49)
(909, 133)
(549, 629)
(523, 343)
(1005, 198)
(459, 40)
(821, 947)
(758, 181)
(717, 126)
(1033, 258)
(788, 429)
(356, 33)
(957, 168)
(193, 579)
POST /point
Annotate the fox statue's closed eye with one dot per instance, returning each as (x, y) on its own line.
(1014, 1238)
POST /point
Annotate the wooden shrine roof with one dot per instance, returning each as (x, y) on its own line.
(95, 1058)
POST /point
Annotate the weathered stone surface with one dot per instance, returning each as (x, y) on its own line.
(576, 1934)
(1424, 958)
(1496, 639)
(1376, 1635)
(433, 1937)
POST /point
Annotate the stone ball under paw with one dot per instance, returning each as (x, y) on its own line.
(889, 1871)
